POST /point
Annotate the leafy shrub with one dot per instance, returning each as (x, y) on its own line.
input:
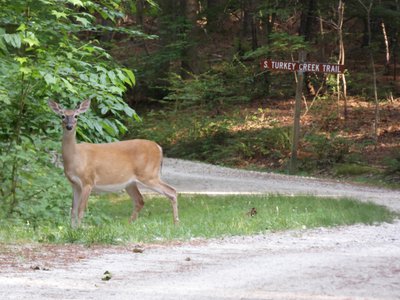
(327, 150)
(226, 83)
(393, 168)
(266, 143)
(214, 139)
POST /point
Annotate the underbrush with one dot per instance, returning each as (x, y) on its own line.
(217, 139)
(201, 216)
(258, 136)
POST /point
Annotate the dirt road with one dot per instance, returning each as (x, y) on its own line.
(355, 262)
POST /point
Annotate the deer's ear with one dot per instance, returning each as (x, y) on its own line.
(55, 107)
(83, 107)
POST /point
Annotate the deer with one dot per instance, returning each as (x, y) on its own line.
(109, 167)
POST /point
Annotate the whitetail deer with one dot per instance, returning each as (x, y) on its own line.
(109, 167)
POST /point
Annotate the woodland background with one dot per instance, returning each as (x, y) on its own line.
(187, 75)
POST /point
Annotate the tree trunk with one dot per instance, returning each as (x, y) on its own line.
(387, 51)
(190, 54)
(341, 59)
(308, 17)
(139, 12)
(215, 15)
(376, 120)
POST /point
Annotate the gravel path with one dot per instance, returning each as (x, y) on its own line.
(355, 262)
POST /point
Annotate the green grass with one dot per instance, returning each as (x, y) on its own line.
(201, 216)
(351, 169)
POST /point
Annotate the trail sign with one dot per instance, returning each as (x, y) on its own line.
(300, 66)
(269, 64)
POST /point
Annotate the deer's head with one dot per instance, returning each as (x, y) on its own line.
(69, 116)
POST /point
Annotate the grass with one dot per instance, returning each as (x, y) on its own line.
(201, 217)
(351, 169)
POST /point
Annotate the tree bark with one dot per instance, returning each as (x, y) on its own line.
(308, 17)
(341, 59)
(368, 9)
(190, 54)
(215, 15)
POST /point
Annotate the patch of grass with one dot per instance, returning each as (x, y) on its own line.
(351, 169)
(201, 217)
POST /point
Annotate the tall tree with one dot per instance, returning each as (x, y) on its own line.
(215, 14)
(307, 20)
(367, 6)
(190, 56)
(341, 58)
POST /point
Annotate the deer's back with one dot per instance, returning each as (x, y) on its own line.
(118, 162)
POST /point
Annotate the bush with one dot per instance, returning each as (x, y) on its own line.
(226, 83)
(327, 150)
(214, 139)
(393, 168)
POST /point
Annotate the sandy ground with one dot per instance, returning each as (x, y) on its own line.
(355, 262)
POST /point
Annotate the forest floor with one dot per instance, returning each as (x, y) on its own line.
(325, 118)
(354, 262)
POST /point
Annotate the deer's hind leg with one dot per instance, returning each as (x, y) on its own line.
(137, 200)
(162, 188)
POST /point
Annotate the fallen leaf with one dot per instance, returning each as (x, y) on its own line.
(106, 276)
(137, 250)
(252, 212)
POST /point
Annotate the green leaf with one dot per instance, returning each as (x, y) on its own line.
(21, 60)
(58, 14)
(31, 39)
(83, 21)
(98, 127)
(69, 86)
(104, 110)
(76, 2)
(103, 79)
(112, 76)
(50, 79)
(129, 111)
(25, 70)
(13, 39)
(116, 90)
(109, 127)
(21, 27)
(2, 44)
(131, 76)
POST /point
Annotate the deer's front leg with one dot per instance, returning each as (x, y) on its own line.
(75, 204)
(84, 197)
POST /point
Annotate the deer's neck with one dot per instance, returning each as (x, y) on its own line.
(69, 148)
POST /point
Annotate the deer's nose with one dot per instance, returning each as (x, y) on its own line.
(69, 127)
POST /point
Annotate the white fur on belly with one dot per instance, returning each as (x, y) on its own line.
(111, 188)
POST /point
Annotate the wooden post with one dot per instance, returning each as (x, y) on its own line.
(301, 66)
(297, 112)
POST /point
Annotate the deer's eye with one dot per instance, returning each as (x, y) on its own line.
(63, 117)
(76, 116)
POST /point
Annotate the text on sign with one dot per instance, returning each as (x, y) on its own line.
(304, 66)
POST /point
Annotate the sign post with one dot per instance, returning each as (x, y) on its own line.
(296, 118)
(300, 66)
